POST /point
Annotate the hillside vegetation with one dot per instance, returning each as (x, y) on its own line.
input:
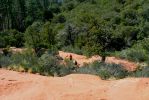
(88, 27)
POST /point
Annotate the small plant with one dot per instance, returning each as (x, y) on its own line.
(68, 68)
(105, 71)
(143, 72)
(134, 54)
(5, 61)
(72, 50)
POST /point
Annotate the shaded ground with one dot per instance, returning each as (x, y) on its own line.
(23, 86)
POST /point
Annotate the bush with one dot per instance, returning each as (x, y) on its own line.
(113, 70)
(68, 68)
(12, 38)
(104, 70)
(140, 72)
(5, 61)
(7, 52)
(89, 68)
(138, 55)
(53, 51)
(45, 65)
(28, 61)
(39, 35)
(72, 50)
(49, 65)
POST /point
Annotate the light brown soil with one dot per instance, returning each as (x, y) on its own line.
(23, 86)
(81, 60)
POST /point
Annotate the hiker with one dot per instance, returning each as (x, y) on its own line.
(75, 63)
(70, 57)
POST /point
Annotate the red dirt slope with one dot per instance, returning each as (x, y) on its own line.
(130, 66)
(22, 86)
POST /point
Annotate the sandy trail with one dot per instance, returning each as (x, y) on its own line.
(81, 60)
(23, 86)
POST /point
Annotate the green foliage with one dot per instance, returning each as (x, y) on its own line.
(45, 65)
(68, 68)
(143, 72)
(137, 55)
(72, 50)
(59, 19)
(69, 5)
(139, 52)
(5, 61)
(11, 38)
(130, 17)
(105, 71)
(50, 65)
(40, 36)
(129, 34)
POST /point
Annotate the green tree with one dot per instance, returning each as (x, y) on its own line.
(39, 36)
(11, 38)
(100, 37)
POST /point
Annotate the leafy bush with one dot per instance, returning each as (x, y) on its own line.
(68, 68)
(40, 35)
(137, 55)
(114, 70)
(72, 50)
(11, 38)
(5, 61)
(143, 72)
(104, 70)
(49, 65)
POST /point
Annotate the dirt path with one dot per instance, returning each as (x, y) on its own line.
(23, 86)
(130, 66)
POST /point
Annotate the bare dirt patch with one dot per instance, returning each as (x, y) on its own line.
(81, 60)
(71, 87)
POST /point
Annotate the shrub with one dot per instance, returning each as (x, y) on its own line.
(49, 65)
(72, 50)
(137, 55)
(6, 51)
(69, 67)
(53, 51)
(138, 52)
(89, 69)
(11, 37)
(65, 70)
(40, 35)
(26, 59)
(114, 70)
(5, 61)
(104, 70)
(143, 72)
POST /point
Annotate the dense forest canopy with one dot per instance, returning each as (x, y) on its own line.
(84, 26)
